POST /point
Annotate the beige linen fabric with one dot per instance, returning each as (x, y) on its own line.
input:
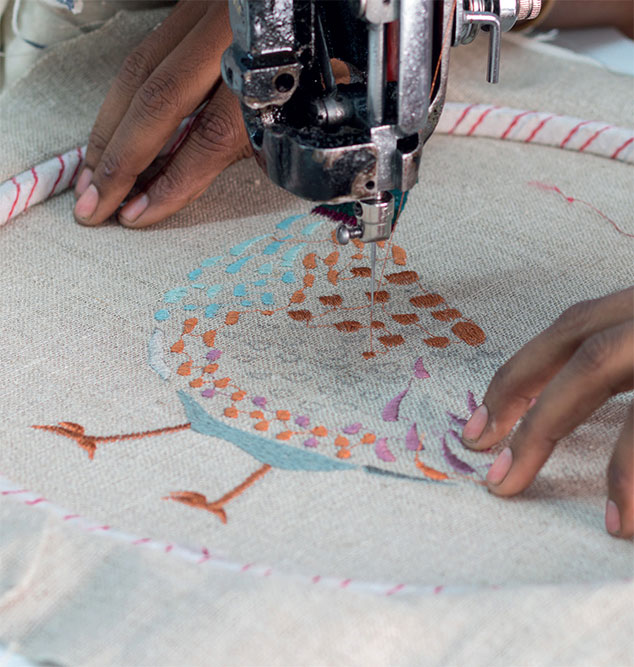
(533, 580)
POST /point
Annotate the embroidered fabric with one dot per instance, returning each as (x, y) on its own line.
(192, 430)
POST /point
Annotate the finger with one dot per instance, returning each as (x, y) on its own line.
(619, 512)
(601, 367)
(217, 139)
(171, 93)
(516, 384)
(136, 68)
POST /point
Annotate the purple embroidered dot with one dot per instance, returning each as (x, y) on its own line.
(302, 421)
(260, 401)
(311, 442)
(352, 429)
(213, 355)
(208, 393)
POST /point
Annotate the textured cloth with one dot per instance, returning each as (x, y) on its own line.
(275, 495)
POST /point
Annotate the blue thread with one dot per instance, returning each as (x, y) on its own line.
(192, 275)
(291, 254)
(288, 277)
(309, 229)
(264, 450)
(213, 291)
(161, 315)
(190, 306)
(267, 299)
(272, 248)
(241, 247)
(212, 309)
(238, 264)
(285, 224)
(210, 261)
(266, 269)
(199, 286)
(175, 295)
(247, 303)
(260, 283)
(240, 290)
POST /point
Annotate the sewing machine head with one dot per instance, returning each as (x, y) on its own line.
(359, 141)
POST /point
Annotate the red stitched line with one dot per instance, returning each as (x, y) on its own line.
(514, 123)
(620, 148)
(533, 134)
(28, 199)
(462, 117)
(17, 196)
(395, 589)
(482, 117)
(74, 176)
(572, 132)
(593, 137)
(59, 176)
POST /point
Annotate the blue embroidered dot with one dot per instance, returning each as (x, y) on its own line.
(247, 303)
(265, 269)
(212, 309)
(288, 277)
(175, 295)
(285, 224)
(199, 286)
(237, 265)
(210, 261)
(161, 315)
(267, 299)
(192, 275)
(260, 283)
(213, 290)
(190, 306)
(241, 247)
(240, 290)
(272, 248)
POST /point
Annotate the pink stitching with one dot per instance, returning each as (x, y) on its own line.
(59, 176)
(80, 156)
(480, 119)
(462, 117)
(514, 123)
(35, 180)
(395, 589)
(593, 137)
(620, 148)
(572, 132)
(533, 134)
(17, 196)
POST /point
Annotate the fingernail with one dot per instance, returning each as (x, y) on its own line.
(133, 209)
(87, 204)
(501, 466)
(474, 427)
(532, 402)
(612, 518)
(83, 181)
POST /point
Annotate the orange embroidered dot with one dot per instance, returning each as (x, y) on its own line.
(283, 415)
(320, 431)
(197, 382)
(238, 395)
(210, 368)
(285, 435)
(368, 438)
(340, 441)
(209, 338)
(231, 412)
(189, 324)
(185, 368)
(256, 414)
(178, 346)
(232, 317)
(262, 426)
(343, 454)
(222, 382)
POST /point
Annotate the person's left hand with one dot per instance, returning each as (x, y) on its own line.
(555, 382)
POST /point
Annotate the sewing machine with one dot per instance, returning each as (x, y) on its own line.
(359, 141)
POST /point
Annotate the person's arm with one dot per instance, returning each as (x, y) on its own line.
(587, 13)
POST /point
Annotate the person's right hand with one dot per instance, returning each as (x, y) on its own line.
(168, 76)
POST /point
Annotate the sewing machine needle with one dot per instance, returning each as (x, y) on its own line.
(373, 263)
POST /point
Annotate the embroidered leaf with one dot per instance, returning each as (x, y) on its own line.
(431, 473)
(348, 326)
(332, 276)
(446, 315)
(213, 355)
(353, 429)
(392, 340)
(390, 411)
(459, 421)
(419, 369)
(399, 256)
(209, 338)
(426, 300)
(178, 346)
(454, 461)
(469, 332)
(402, 278)
(437, 341)
(300, 315)
(471, 402)
(368, 438)
(197, 382)
(285, 435)
(405, 318)
(310, 442)
(232, 317)
(340, 441)
(185, 368)
(382, 451)
(298, 296)
(76, 429)
(412, 441)
(188, 325)
(231, 412)
(309, 261)
(332, 259)
(260, 401)
(208, 393)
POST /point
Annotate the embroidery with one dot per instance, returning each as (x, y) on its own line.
(268, 276)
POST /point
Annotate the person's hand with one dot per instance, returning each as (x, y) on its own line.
(555, 382)
(173, 71)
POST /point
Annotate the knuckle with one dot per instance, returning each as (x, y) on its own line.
(97, 141)
(595, 351)
(160, 96)
(216, 132)
(136, 68)
(169, 187)
(573, 319)
(109, 167)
